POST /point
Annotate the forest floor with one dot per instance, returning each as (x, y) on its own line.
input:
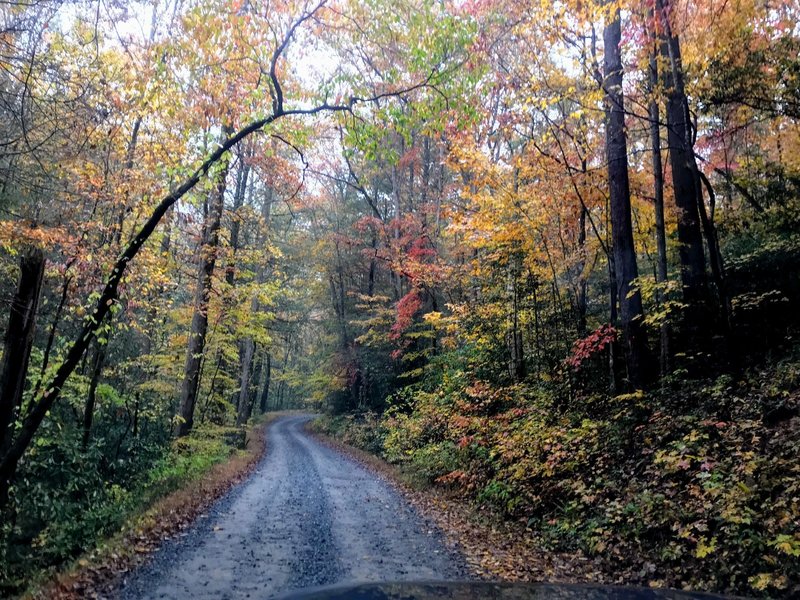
(494, 549)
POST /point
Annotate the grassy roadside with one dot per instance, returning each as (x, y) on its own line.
(494, 548)
(188, 488)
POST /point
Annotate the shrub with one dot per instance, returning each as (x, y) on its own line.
(695, 486)
(66, 497)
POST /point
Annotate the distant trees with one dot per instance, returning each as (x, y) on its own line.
(112, 204)
(553, 219)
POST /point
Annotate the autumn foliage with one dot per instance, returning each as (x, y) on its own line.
(543, 255)
(593, 344)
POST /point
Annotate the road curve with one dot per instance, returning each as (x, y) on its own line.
(308, 516)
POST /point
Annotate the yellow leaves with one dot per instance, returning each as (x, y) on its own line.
(632, 398)
(705, 547)
(434, 319)
(764, 581)
(787, 544)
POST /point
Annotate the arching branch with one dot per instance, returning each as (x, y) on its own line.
(49, 392)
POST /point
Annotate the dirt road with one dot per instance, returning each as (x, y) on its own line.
(308, 516)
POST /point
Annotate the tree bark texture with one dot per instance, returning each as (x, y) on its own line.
(19, 339)
(197, 335)
(658, 201)
(630, 300)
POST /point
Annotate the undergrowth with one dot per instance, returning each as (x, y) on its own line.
(694, 486)
(67, 498)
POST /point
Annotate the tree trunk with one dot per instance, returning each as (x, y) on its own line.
(630, 300)
(242, 176)
(714, 252)
(197, 335)
(613, 301)
(396, 278)
(244, 404)
(267, 370)
(338, 296)
(582, 283)
(255, 378)
(88, 409)
(18, 341)
(372, 267)
(685, 184)
(658, 202)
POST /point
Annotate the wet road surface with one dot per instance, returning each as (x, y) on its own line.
(308, 516)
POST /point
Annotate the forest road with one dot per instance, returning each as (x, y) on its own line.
(307, 516)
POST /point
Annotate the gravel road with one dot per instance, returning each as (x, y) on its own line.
(308, 516)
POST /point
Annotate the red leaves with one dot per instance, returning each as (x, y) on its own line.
(465, 441)
(591, 345)
(453, 478)
(410, 157)
(407, 307)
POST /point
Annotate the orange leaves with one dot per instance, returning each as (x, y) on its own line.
(457, 477)
(16, 234)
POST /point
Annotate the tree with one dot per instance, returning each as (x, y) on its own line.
(19, 339)
(685, 183)
(108, 297)
(630, 300)
(207, 252)
(654, 112)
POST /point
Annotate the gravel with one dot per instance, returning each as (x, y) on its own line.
(308, 516)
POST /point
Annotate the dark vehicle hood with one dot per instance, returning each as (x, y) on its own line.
(490, 591)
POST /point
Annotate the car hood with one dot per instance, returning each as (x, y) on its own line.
(490, 591)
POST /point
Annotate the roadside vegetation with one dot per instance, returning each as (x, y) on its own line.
(693, 486)
(70, 512)
(543, 255)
